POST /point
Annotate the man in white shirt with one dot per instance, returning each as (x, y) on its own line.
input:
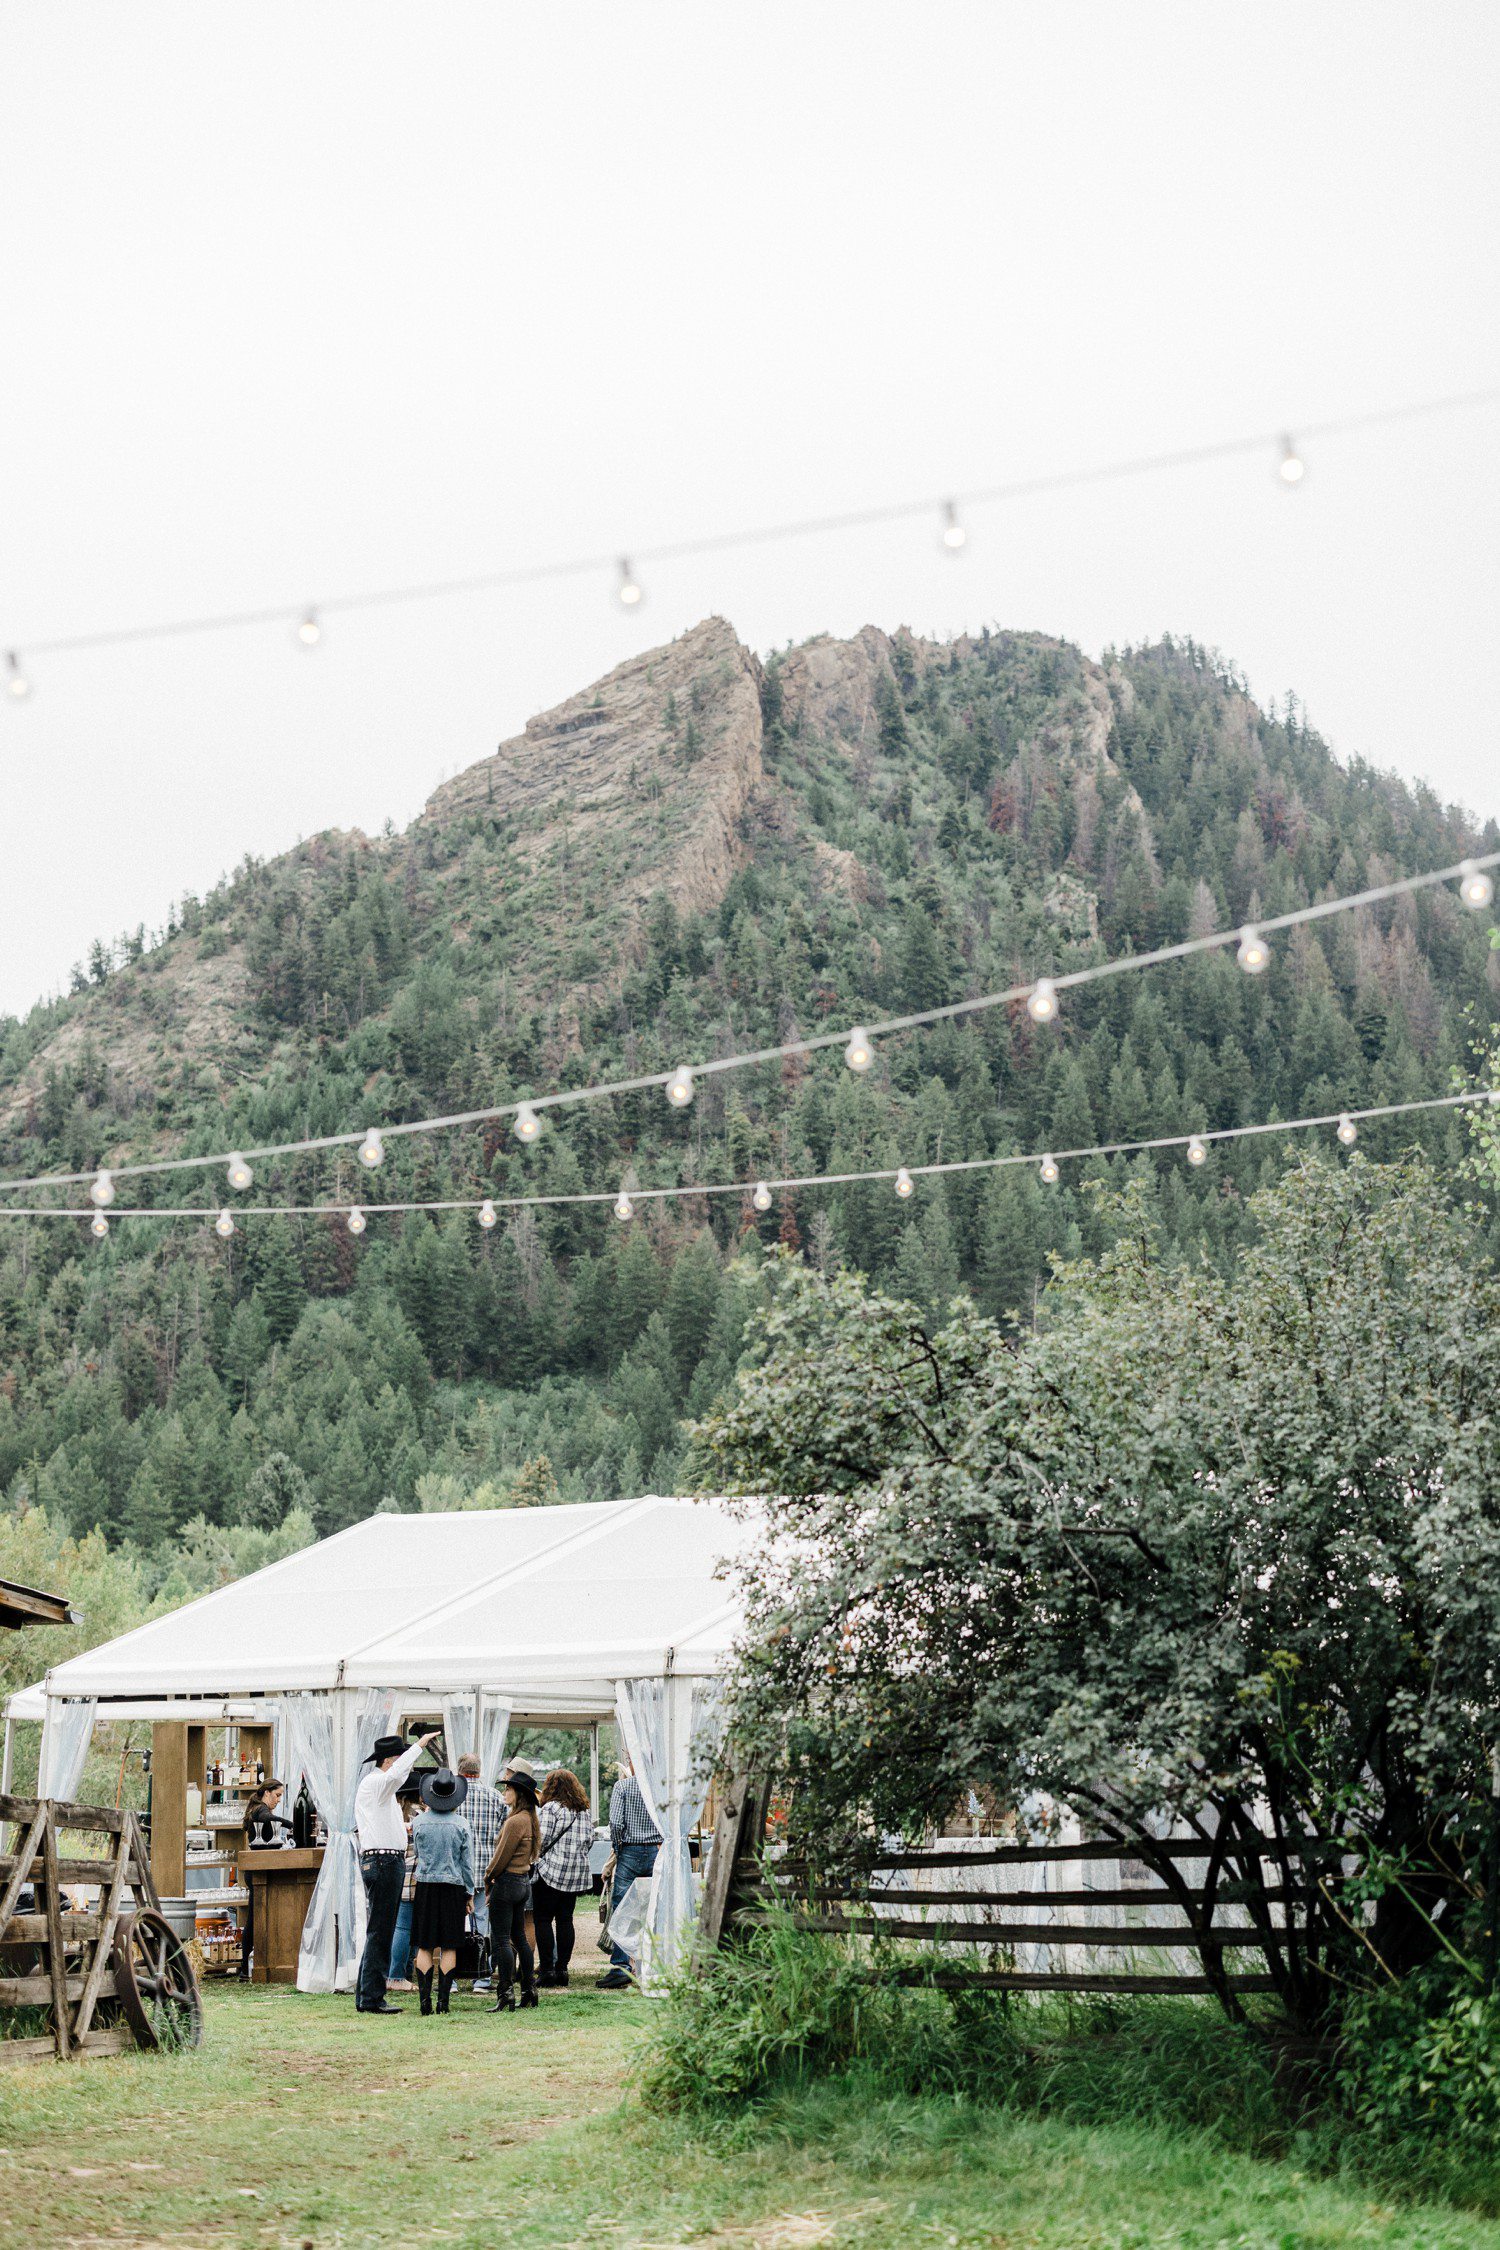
(382, 1862)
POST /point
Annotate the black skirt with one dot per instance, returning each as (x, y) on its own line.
(437, 1917)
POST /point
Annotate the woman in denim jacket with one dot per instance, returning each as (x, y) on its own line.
(445, 1883)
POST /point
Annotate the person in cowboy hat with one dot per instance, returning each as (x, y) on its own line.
(445, 1883)
(382, 1862)
(508, 1881)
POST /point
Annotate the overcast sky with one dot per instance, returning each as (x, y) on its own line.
(304, 299)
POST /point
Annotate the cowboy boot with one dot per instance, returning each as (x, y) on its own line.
(445, 1986)
(424, 1990)
(505, 1998)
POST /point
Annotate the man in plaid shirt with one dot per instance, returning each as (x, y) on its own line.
(484, 1809)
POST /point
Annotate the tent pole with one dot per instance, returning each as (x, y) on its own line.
(593, 1771)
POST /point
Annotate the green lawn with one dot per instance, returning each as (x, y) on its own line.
(300, 2123)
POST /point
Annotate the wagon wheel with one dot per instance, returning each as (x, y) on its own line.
(155, 1983)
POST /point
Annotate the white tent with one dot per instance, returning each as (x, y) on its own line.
(619, 1609)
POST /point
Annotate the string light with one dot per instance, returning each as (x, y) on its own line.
(955, 538)
(102, 1191)
(356, 1221)
(1292, 468)
(16, 681)
(624, 1208)
(310, 632)
(1347, 1130)
(762, 1196)
(239, 1172)
(371, 1150)
(486, 1213)
(1049, 1169)
(680, 1087)
(628, 592)
(224, 1225)
(528, 1124)
(1475, 887)
(98, 1226)
(904, 1182)
(1196, 1152)
(858, 1052)
(1041, 1004)
(1253, 954)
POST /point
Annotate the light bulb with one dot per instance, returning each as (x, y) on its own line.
(904, 1182)
(628, 592)
(224, 1225)
(1196, 1152)
(15, 679)
(1048, 1169)
(954, 535)
(680, 1087)
(356, 1221)
(762, 1196)
(1347, 1130)
(1042, 1005)
(239, 1172)
(528, 1124)
(859, 1054)
(1253, 955)
(1293, 468)
(624, 1208)
(371, 1150)
(486, 1213)
(1475, 886)
(98, 1226)
(310, 632)
(103, 1190)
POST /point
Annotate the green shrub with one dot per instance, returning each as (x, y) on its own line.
(1422, 2061)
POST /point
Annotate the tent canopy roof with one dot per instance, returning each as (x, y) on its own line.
(572, 1597)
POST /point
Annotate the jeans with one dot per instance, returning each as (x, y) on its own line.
(552, 1910)
(401, 1944)
(630, 1860)
(384, 1876)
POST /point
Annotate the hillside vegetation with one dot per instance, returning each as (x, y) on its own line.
(700, 855)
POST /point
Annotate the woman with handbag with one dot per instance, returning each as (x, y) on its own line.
(562, 1871)
(508, 1880)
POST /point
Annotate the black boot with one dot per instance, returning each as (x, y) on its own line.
(424, 1990)
(504, 1998)
(528, 1996)
(445, 1986)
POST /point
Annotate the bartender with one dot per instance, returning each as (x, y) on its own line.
(265, 1831)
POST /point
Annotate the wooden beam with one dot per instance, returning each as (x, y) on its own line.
(169, 1781)
(71, 1870)
(35, 1990)
(44, 2050)
(56, 1966)
(26, 1605)
(19, 1863)
(1120, 1937)
(31, 1929)
(102, 1819)
(109, 1914)
(1026, 1902)
(145, 1886)
(1054, 1980)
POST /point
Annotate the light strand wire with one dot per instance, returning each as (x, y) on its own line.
(1476, 1097)
(1064, 981)
(793, 528)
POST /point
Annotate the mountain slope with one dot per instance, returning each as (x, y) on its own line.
(701, 854)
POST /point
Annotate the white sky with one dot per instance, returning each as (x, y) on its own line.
(302, 298)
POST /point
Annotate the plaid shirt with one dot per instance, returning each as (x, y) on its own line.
(484, 1809)
(629, 1821)
(564, 1864)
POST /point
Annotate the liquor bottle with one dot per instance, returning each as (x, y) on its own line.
(302, 1820)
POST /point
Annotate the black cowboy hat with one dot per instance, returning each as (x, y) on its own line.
(524, 1784)
(386, 1746)
(445, 1790)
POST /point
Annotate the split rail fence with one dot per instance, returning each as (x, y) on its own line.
(111, 1977)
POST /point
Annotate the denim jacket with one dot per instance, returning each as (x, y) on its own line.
(445, 1849)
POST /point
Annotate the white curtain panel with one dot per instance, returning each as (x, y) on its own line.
(458, 1726)
(329, 1736)
(494, 1726)
(671, 1730)
(66, 1733)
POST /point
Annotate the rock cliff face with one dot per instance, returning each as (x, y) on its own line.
(658, 763)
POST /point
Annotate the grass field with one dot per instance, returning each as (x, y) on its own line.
(300, 2123)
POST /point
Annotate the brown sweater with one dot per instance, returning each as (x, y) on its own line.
(517, 1845)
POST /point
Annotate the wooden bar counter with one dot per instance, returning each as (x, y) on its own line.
(281, 1889)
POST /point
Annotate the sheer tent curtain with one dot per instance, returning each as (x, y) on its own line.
(476, 1725)
(328, 1737)
(671, 1730)
(67, 1728)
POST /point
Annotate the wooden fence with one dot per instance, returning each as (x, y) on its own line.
(111, 1977)
(1223, 1916)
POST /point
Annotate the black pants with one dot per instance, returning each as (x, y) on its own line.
(384, 1875)
(508, 1945)
(552, 1912)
